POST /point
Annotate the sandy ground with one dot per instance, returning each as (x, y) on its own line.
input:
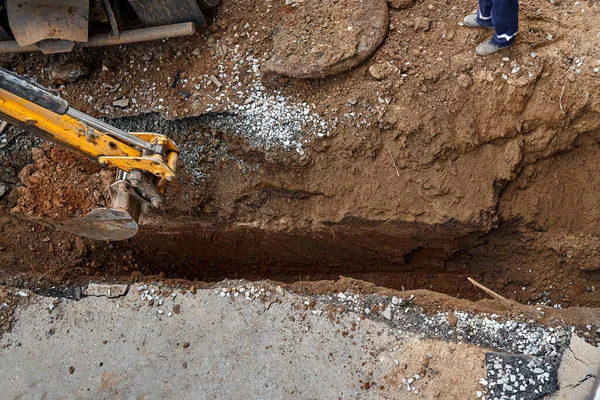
(216, 344)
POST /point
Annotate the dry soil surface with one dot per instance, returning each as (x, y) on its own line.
(421, 166)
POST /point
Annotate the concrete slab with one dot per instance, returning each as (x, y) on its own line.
(578, 370)
(98, 290)
(222, 344)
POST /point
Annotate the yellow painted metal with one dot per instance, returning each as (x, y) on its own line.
(73, 134)
(62, 129)
(157, 138)
(118, 222)
(172, 158)
(152, 164)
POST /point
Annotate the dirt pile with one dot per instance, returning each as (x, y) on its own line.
(60, 185)
(322, 38)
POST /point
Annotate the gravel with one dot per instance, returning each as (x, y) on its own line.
(526, 352)
(525, 356)
(266, 119)
(514, 376)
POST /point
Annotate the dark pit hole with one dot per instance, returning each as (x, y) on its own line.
(197, 255)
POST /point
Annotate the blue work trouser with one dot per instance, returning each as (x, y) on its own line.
(503, 15)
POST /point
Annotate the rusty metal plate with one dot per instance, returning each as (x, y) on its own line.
(167, 12)
(34, 20)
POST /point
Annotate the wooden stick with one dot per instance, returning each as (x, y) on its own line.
(393, 161)
(561, 97)
(490, 292)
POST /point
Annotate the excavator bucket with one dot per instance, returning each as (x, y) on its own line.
(33, 21)
(102, 224)
(119, 222)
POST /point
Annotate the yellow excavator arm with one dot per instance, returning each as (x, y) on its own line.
(144, 161)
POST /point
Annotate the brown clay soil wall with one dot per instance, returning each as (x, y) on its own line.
(423, 165)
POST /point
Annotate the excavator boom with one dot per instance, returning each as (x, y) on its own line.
(145, 161)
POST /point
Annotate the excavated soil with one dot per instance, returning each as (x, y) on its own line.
(308, 44)
(420, 167)
(60, 185)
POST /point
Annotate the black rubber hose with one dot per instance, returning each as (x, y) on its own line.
(29, 91)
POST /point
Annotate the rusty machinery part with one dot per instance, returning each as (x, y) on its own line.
(58, 26)
(107, 39)
(145, 161)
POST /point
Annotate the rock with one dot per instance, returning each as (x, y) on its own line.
(107, 65)
(80, 246)
(216, 81)
(464, 80)
(2, 189)
(68, 73)
(422, 24)
(121, 103)
(104, 290)
(71, 370)
(484, 76)
(400, 3)
(327, 49)
(387, 313)
(383, 70)
(452, 320)
(520, 81)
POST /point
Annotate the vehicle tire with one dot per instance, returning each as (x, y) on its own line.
(208, 3)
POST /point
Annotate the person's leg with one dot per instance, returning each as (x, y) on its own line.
(505, 17)
(483, 17)
(484, 14)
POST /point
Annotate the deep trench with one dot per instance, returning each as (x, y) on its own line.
(203, 250)
(199, 251)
